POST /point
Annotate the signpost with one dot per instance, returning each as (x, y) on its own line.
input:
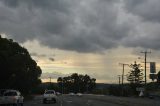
(153, 75)
(141, 90)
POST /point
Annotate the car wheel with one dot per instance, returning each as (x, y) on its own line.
(16, 104)
(44, 101)
(55, 101)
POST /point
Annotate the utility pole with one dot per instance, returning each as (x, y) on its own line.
(123, 75)
(50, 81)
(62, 87)
(119, 77)
(123, 71)
(145, 61)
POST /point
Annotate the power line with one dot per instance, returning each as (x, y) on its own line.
(145, 61)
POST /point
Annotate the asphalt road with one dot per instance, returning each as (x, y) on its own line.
(95, 100)
(67, 100)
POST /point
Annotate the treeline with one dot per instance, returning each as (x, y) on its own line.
(76, 83)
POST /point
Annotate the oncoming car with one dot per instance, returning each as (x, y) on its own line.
(49, 96)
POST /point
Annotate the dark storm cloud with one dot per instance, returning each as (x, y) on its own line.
(146, 33)
(147, 9)
(78, 25)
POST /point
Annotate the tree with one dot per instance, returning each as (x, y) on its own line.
(158, 77)
(76, 83)
(60, 84)
(18, 69)
(135, 77)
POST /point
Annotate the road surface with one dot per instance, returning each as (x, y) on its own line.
(93, 100)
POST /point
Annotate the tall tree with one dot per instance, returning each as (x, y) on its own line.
(135, 75)
(18, 69)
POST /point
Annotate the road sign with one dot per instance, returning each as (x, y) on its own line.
(140, 89)
(141, 94)
(152, 67)
(153, 76)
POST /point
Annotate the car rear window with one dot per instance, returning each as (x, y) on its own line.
(10, 94)
(2, 92)
(49, 92)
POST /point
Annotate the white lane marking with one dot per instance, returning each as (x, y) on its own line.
(66, 100)
(89, 102)
(69, 101)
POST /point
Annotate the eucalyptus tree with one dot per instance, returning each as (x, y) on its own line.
(18, 70)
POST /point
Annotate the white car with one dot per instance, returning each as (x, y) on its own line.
(49, 96)
(79, 94)
(71, 94)
(12, 97)
(58, 93)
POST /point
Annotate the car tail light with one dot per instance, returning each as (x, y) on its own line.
(14, 99)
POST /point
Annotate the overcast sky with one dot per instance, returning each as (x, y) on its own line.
(83, 36)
